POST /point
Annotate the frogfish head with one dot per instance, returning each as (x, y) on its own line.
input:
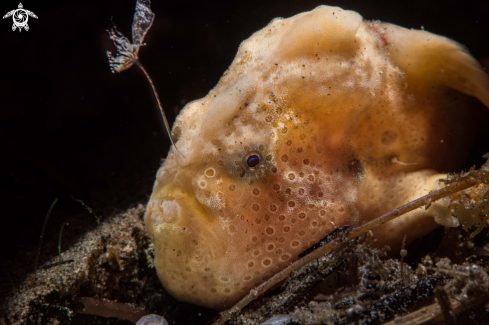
(304, 133)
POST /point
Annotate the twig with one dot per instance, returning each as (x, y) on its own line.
(445, 306)
(403, 254)
(433, 313)
(50, 265)
(107, 308)
(356, 232)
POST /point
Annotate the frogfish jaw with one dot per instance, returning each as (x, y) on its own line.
(189, 245)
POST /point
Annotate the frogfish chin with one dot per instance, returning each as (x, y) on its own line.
(322, 120)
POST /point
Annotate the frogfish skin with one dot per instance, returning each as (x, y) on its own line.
(322, 120)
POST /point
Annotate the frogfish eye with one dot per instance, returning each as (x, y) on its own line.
(252, 160)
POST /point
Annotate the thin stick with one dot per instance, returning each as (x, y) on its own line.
(167, 126)
(108, 308)
(50, 265)
(357, 231)
(433, 196)
(42, 235)
(445, 306)
(403, 253)
(59, 245)
(433, 314)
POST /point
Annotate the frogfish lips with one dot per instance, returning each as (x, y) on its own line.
(189, 241)
(322, 120)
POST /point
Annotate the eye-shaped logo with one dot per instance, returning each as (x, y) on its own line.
(20, 17)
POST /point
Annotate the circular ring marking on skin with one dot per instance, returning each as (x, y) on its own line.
(202, 184)
(210, 172)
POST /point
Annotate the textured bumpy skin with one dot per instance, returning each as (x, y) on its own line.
(349, 118)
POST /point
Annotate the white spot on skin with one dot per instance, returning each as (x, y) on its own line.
(171, 211)
(157, 218)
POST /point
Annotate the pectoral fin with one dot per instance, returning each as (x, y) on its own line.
(436, 60)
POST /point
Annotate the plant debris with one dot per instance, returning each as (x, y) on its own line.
(471, 206)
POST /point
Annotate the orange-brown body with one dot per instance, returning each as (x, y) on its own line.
(348, 118)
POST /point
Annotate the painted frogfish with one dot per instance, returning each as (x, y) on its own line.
(322, 120)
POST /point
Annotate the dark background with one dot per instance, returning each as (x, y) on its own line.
(69, 127)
